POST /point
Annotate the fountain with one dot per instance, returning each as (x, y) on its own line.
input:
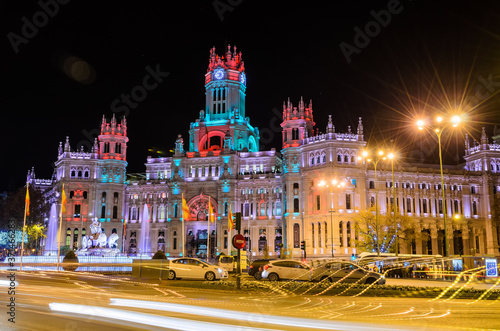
(51, 241)
(145, 241)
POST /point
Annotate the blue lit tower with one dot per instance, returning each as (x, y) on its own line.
(224, 114)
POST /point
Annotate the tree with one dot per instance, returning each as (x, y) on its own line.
(366, 233)
(34, 232)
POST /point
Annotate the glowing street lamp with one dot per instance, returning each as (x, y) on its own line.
(438, 129)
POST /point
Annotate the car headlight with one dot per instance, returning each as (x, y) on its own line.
(219, 270)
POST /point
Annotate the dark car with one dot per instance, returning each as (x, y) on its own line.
(346, 272)
(256, 266)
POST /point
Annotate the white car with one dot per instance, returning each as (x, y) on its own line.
(286, 269)
(191, 268)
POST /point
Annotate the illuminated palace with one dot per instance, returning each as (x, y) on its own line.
(284, 197)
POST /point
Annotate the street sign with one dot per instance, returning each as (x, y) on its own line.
(239, 241)
(491, 268)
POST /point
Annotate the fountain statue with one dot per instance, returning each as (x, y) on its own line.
(98, 243)
(113, 240)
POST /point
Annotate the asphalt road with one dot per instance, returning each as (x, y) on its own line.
(68, 301)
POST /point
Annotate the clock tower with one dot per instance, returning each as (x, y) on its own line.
(222, 124)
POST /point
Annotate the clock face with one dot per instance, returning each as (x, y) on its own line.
(219, 74)
(243, 78)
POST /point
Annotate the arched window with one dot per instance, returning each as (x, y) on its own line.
(296, 235)
(75, 238)
(372, 202)
(348, 201)
(455, 204)
(77, 210)
(348, 233)
(372, 185)
(296, 205)
(115, 211)
(339, 158)
(346, 158)
(115, 197)
(341, 233)
(79, 174)
(68, 237)
(474, 208)
(176, 214)
(313, 235)
(324, 158)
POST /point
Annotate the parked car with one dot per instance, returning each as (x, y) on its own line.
(227, 262)
(348, 272)
(255, 268)
(286, 269)
(192, 268)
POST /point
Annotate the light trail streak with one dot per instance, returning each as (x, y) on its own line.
(6, 283)
(141, 318)
(236, 315)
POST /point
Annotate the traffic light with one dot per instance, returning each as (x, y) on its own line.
(353, 257)
(303, 245)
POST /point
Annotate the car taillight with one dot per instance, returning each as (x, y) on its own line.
(251, 266)
(266, 267)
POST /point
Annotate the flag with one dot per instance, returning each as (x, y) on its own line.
(27, 201)
(230, 219)
(63, 201)
(185, 209)
(211, 211)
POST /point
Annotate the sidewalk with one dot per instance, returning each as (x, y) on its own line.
(436, 283)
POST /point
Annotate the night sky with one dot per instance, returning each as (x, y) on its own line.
(428, 56)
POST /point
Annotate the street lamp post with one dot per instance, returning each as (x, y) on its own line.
(438, 130)
(331, 223)
(391, 157)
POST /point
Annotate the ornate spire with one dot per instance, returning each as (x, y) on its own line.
(360, 127)
(67, 147)
(484, 138)
(95, 147)
(330, 128)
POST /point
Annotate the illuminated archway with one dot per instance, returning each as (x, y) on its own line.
(203, 146)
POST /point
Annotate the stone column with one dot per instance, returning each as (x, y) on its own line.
(434, 239)
(466, 239)
(418, 240)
